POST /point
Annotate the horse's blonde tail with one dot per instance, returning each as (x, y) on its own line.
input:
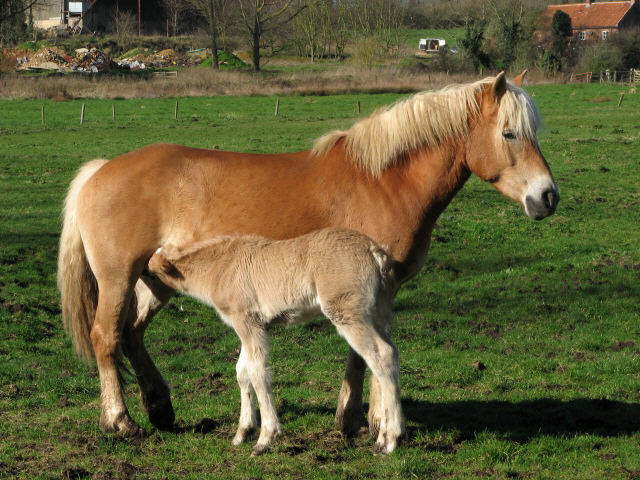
(77, 284)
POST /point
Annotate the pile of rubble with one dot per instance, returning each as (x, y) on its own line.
(161, 59)
(48, 58)
(93, 61)
(52, 58)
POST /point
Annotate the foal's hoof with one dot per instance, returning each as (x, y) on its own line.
(241, 436)
(259, 450)
(384, 447)
(350, 422)
(374, 427)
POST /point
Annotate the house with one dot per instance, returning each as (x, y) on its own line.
(592, 21)
(97, 15)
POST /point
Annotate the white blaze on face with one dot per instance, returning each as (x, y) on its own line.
(159, 250)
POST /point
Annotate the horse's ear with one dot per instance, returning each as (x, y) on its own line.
(520, 78)
(499, 86)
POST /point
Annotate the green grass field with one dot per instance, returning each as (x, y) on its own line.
(550, 308)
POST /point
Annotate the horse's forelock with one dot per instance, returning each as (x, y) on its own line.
(519, 112)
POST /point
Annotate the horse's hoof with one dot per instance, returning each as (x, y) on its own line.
(162, 416)
(159, 409)
(123, 426)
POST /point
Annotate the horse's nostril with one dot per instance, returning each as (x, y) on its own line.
(549, 198)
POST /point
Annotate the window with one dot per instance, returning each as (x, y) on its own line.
(605, 34)
(582, 35)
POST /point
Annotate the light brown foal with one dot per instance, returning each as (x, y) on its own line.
(252, 282)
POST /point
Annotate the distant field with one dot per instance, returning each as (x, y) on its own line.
(550, 308)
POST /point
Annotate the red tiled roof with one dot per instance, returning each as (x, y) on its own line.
(594, 15)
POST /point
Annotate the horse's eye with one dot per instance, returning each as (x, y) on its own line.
(509, 135)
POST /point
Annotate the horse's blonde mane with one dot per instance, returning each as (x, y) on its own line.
(427, 119)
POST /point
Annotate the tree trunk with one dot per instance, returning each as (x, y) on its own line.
(214, 49)
(256, 45)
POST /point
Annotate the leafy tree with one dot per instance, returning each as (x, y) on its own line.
(472, 42)
(562, 31)
(13, 26)
(509, 17)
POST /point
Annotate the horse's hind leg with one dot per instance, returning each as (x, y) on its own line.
(349, 416)
(113, 302)
(150, 295)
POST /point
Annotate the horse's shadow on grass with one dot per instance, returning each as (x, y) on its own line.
(517, 421)
(522, 421)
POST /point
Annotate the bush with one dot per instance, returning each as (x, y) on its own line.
(368, 51)
(628, 44)
(227, 61)
(600, 56)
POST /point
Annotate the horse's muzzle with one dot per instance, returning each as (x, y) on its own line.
(545, 205)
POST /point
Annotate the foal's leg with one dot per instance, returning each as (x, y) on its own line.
(256, 343)
(381, 356)
(349, 417)
(248, 417)
(150, 296)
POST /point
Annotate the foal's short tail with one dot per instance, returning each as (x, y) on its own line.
(77, 284)
(383, 259)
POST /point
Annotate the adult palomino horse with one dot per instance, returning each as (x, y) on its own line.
(389, 176)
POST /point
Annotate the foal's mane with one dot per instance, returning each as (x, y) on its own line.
(427, 119)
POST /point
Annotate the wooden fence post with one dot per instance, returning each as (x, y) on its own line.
(175, 112)
(42, 115)
(277, 106)
(113, 112)
(621, 97)
(82, 114)
(358, 107)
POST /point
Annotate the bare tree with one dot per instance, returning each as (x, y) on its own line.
(124, 22)
(173, 9)
(312, 29)
(216, 13)
(262, 16)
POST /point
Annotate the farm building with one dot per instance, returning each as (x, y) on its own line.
(593, 21)
(97, 15)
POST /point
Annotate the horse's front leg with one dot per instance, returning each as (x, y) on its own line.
(349, 415)
(150, 296)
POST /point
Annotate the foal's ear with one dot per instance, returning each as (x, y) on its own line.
(169, 268)
(520, 78)
(499, 86)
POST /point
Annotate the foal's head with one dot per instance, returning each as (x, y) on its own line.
(164, 269)
(503, 148)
